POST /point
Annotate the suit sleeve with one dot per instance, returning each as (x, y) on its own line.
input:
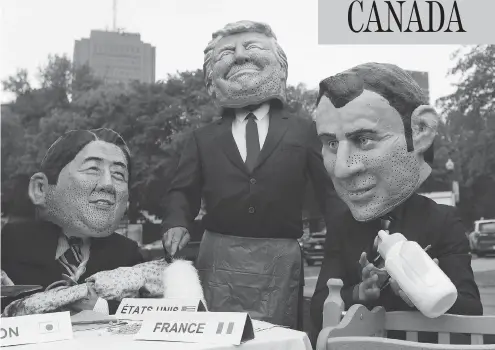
(183, 199)
(325, 194)
(136, 257)
(454, 259)
(9, 248)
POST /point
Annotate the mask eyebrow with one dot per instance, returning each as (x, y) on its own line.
(354, 134)
(327, 135)
(251, 41)
(120, 164)
(226, 47)
(92, 159)
(99, 160)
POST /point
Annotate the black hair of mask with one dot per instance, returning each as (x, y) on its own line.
(67, 147)
(389, 81)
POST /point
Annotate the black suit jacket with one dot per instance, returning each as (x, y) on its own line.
(28, 254)
(266, 202)
(419, 219)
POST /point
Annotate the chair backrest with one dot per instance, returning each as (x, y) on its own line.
(359, 322)
(445, 325)
(373, 343)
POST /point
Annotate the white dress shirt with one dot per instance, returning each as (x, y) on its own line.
(239, 127)
(101, 305)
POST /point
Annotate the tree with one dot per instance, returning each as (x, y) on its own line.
(18, 83)
(301, 101)
(154, 119)
(470, 129)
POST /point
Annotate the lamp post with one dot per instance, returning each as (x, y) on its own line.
(450, 166)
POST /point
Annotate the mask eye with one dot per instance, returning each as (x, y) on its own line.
(364, 142)
(333, 144)
(224, 53)
(253, 46)
(119, 176)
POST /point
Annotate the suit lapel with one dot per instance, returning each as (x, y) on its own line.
(227, 142)
(414, 221)
(276, 130)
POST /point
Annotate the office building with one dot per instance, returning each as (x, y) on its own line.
(116, 56)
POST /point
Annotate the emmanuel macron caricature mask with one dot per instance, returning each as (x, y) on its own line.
(377, 132)
(244, 65)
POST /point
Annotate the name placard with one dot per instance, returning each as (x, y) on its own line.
(199, 327)
(139, 309)
(35, 328)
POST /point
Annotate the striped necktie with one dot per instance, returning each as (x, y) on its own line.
(72, 258)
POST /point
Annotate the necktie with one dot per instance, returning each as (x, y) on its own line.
(252, 141)
(72, 258)
(375, 258)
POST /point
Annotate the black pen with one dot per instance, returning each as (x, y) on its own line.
(167, 256)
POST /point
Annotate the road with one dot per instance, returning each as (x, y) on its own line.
(311, 272)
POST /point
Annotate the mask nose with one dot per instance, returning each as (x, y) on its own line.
(240, 54)
(105, 183)
(347, 163)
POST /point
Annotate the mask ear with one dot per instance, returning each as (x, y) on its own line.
(209, 85)
(424, 124)
(38, 187)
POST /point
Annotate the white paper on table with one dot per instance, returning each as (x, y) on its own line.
(259, 326)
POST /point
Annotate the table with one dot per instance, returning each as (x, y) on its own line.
(275, 338)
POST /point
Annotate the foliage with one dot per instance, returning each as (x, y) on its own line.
(470, 129)
(154, 119)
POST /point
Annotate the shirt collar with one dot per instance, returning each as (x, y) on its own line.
(63, 245)
(260, 112)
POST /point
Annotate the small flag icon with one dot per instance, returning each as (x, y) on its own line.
(48, 327)
(220, 328)
(189, 308)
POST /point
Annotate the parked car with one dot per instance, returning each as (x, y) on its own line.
(482, 239)
(313, 247)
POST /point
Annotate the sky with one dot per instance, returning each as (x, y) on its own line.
(180, 30)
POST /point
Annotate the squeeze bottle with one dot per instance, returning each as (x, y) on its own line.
(419, 277)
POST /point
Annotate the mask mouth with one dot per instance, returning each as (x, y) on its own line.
(240, 69)
(360, 193)
(103, 201)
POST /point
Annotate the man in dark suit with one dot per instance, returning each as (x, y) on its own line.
(251, 167)
(80, 196)
(377, 131)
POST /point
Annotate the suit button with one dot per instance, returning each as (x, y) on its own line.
(253, 181)
(251, 210)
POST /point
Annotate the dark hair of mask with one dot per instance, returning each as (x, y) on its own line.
(387, 80)
(68, 146)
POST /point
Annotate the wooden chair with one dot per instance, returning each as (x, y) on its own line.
(359, 328)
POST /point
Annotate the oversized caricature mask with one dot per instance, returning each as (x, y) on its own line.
(244, 65)
(377, 133)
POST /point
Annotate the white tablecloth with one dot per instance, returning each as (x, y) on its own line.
(276, 338)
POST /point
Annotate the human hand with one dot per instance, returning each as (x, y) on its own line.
(399, 292)
(6, 281)
(175, 239)
(87, 303)
(371, 277)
